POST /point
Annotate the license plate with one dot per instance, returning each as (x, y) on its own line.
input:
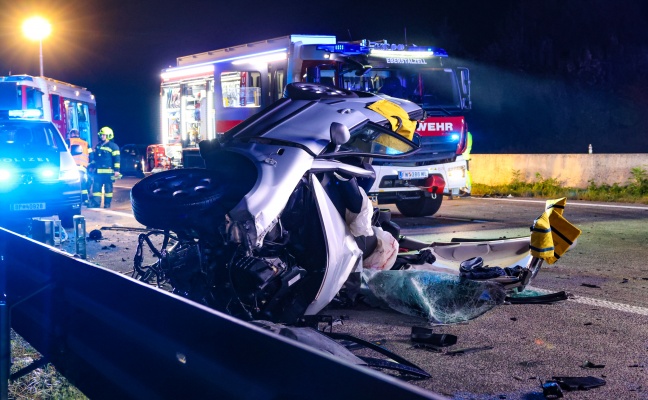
(407, 175)
(28, 206)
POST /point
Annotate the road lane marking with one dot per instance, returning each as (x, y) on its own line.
(103, 210)
(600, 303)
(611, 305)
(571, 204)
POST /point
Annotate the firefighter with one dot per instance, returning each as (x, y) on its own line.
(106, 159)
(82, 160)
(466, 155)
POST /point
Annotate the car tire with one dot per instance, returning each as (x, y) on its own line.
(422, 207)
(181, 200)
(314, 91)
(67, 217)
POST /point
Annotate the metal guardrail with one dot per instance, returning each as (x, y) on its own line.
(114, 337)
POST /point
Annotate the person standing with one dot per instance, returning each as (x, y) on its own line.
(106, 159)
(82, 160)
(467, 156)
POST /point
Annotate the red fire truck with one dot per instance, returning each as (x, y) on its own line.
(208, 93)
(66, 105)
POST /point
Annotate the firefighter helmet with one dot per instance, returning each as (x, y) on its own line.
(110, 135)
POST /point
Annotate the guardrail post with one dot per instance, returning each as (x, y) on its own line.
(80, 236)
(5, 333)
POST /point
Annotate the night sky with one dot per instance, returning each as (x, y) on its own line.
(550, 76)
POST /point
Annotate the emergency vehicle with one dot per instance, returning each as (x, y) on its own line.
(38, 174)
(66, 105)
(208, 93)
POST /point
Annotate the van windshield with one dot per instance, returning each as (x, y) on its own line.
(24, 135)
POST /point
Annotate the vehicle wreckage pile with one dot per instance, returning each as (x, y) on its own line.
(278, 226)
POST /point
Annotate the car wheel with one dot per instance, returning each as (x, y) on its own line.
(314, 91)
(422, 207)
(181, 200)
(67, 217)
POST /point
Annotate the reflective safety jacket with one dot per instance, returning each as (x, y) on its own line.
(106, 158)
(466, 153)
(551, 233)
(81, 159)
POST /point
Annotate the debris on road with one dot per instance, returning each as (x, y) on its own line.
(589, 364)
(578, 383)
(437, 296)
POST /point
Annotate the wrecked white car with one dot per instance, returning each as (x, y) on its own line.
(278, 222)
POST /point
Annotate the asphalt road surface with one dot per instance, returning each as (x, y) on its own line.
(600, 331)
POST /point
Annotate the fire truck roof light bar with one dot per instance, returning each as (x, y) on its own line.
(414, 54)
(438, 52)
(207, 67)
(383, 50)
(344, 48)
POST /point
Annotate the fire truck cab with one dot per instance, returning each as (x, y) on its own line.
(207, 94)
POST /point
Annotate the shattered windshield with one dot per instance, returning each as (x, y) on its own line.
(373, 140)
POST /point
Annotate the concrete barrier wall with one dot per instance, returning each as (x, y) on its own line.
(572, 170)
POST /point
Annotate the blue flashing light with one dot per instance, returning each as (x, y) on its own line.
(436, 50)
(344, 48)
(30, 113)
(455, 137)
(16, 78)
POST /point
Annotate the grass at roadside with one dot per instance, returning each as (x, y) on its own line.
(42, 383)
(635, 190)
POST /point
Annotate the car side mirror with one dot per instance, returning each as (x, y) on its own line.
(76, 149)
(339, 134)
(416, 139)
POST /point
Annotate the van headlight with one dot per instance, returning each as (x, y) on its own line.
(5, 175)
(48, 173)
(70, 175)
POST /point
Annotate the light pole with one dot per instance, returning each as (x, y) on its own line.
(37, 28)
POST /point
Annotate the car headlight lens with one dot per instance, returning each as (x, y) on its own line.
(48, 173)
(70, 175)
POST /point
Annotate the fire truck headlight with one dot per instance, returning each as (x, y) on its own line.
(70, 175)
(457, 172)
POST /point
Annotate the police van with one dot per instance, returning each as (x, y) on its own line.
(38, 175)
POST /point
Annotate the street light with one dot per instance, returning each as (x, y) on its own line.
(37, 28)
